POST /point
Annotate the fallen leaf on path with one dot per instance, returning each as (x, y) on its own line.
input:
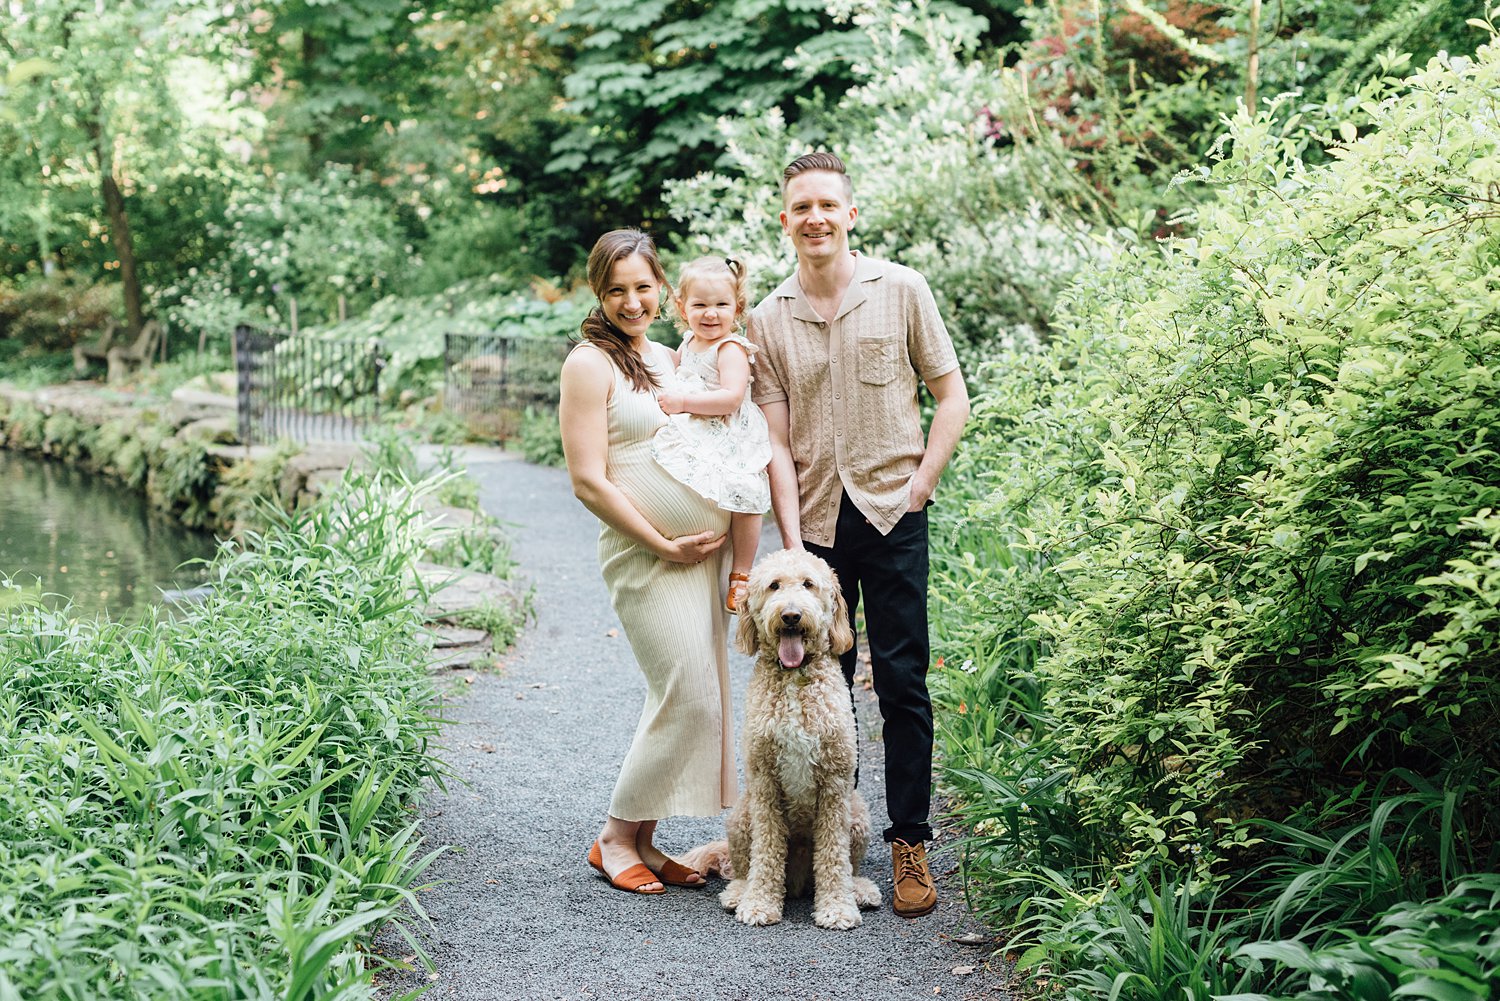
(962, 971)
(612, 633)
(971, 938)
(481, 745)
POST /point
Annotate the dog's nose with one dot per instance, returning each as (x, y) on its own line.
(790, 618)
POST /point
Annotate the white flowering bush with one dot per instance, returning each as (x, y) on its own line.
(290, 237)
(411, 329)
(934, 190)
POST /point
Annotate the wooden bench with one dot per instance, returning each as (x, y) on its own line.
(96, 350)
(119, 358)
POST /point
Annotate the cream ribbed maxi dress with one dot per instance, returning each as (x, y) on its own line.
(681, 762)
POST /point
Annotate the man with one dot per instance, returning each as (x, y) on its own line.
(843, 342)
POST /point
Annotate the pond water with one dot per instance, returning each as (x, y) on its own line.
(67, 534)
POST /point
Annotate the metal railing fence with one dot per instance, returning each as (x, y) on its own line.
(490, 380)
(305, 388)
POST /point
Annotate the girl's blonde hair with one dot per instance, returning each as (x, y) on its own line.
(716, 269)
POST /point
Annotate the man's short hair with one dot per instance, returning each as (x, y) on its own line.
(817, 161)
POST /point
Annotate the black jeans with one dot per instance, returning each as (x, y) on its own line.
(889, 573)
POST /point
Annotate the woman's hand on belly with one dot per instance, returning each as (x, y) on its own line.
(691, 548)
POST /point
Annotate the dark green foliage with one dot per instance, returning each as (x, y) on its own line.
(21, 365)
(354, 68)
(52, 313)
(649, 79)
(1445, 949)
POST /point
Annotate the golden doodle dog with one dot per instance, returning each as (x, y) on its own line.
(800, 820)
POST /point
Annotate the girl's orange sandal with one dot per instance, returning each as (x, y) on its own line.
(631, 880)
(739, 586)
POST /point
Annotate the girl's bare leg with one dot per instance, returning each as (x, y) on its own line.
(744, 536)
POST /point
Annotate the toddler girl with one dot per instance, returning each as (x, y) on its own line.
(716, 441)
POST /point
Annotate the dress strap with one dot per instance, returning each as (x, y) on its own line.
(741, 340)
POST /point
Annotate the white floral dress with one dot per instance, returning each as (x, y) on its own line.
(723, 459)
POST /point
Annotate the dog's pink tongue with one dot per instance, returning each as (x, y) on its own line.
(790, 650)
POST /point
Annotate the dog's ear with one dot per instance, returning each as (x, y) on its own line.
(744, 630)
(841, 631)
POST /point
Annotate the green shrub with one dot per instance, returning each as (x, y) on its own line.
(934, 191)
(1446, 949)
(502, 622)
(1258, 467)
(24, 427)
(62, 436)
(483, 549)
(218, 804)
(541, 437)
(55, 312)
(1246, 509)
(248, 492)
(181, 481)
(1315, 904)
(470, 240)
(26, 366)
(1159, 936)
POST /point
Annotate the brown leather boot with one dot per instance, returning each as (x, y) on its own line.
(914, 894)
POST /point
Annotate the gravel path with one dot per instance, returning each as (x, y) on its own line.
(519, 915)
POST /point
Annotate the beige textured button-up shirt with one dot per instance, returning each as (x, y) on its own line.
(851, 389)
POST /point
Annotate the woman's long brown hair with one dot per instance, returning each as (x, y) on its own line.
(609, 250)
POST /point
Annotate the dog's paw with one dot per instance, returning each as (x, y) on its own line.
(838, 916)
(757, 912)
(729, 898)
(866, 894)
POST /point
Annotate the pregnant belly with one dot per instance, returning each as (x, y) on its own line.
(671, 506)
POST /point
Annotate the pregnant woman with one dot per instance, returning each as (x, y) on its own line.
(660, 552)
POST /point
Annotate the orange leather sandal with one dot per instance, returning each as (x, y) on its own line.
(630, 880)
(739, 587)
(674, 873)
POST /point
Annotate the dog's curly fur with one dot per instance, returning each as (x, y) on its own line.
(800, 819)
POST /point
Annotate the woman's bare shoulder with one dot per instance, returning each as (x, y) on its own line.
(587, 359)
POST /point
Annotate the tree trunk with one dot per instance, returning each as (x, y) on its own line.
(114, 199)
(119, 223)
(312, 55)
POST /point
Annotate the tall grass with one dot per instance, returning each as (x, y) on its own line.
(219, 805)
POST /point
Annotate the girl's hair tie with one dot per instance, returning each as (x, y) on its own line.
(734, 266)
